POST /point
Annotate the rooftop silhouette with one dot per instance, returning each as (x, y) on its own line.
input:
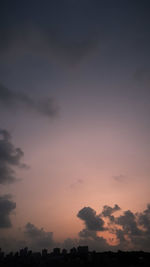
(79, 256)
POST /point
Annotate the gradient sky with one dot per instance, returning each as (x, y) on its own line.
(75, 98)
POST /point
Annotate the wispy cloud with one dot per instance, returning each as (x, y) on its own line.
(10, 99)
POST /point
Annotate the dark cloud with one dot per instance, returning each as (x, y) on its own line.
(6, 208)
(91, 220)
(129, 223)
(95, 223)
(123, 241)
(10, 156)
(12, 244)
(38, 238)
(87, 238)
(85, 233)
(10, 99)
(144, 219)
(131, 230)
(107, 210)
(135, 232)
(97, 243)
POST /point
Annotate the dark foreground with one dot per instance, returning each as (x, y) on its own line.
(76, 257)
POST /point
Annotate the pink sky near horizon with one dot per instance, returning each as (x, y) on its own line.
(77, 167)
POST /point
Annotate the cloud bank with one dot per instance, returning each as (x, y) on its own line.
(38, 238)
(130, 231)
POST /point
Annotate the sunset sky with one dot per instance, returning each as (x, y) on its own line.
(75, 124)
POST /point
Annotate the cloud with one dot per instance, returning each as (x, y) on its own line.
(123, 242)
(76, 184)
(135, 232)
(70, 51)
(119, 178)
(131, 231)
(128, 222)
(144, 219)
(53, 42)
(11, 99)
(87, 238)
(107, 210)
(85, 233)
(12, 244)
(91, 220)
(91, 239)
(9, 157)
(97, 243)
(38, 238)
(6, 208)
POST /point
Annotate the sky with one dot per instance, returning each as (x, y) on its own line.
(74, 124)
